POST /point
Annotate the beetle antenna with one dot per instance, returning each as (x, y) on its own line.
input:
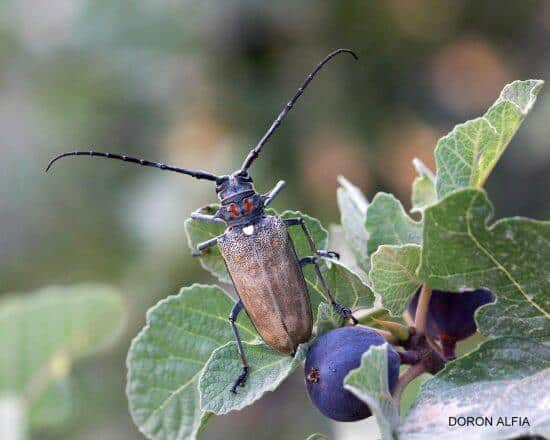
(197, 174)
(255, 152)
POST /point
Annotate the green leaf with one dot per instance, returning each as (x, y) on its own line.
(327, 319)
(393, 275)
(212, 260)
(423, 187)
(369, 383)
(44, 333)
(510, 257)
(54, 407)
(502, 377)
(346, 287)
(198, 231)
(166, 358)
(353, 213)
(318, 233)
(466, 156)
(204, 421)
(317, 436)
(268, 368)
(388, 223)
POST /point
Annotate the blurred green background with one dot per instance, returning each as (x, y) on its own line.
(194, 84)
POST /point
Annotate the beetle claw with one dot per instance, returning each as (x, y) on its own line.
(329, 254)
(241, 380)
(334, 255)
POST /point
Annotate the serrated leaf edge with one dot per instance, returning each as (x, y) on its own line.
(480, 193)
(394, 246)
(501, 99)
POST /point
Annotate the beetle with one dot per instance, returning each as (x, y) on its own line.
(257, 248)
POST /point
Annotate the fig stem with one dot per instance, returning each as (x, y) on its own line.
(408, 319)
(448, 345)
(406, 378)
(422, 309)
(409, 357)
(435, 347)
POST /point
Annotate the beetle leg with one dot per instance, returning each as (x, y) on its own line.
(345, 312)
(326, 254)
(268, 198)
(306, 260)
(197, 252)
(299, 221)
(205, 217)
(340, 309)
(241, 380)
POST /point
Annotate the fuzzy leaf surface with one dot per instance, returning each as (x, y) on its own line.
(369, 383)
(346, 287)
(353, 212)
(388, 223)
(327, 319)
(510, 257)
(467, 155)
(393, 275)
(423, 188)
(502, 377)
(167, 357)
(268, 368)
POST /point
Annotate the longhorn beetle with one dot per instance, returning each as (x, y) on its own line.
(257, 249)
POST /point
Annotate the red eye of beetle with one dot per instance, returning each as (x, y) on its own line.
(247, 206)
(233, 210)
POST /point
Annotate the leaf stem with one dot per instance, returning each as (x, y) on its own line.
(406, 378)
(422, 309)
(408, 319)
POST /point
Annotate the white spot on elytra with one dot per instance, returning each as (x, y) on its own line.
(248, 230)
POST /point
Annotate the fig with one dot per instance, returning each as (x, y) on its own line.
(332, 356)
(451, 315)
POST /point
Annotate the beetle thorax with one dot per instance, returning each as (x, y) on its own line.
(241, 204)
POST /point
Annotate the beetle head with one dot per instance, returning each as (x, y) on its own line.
(240, 203)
